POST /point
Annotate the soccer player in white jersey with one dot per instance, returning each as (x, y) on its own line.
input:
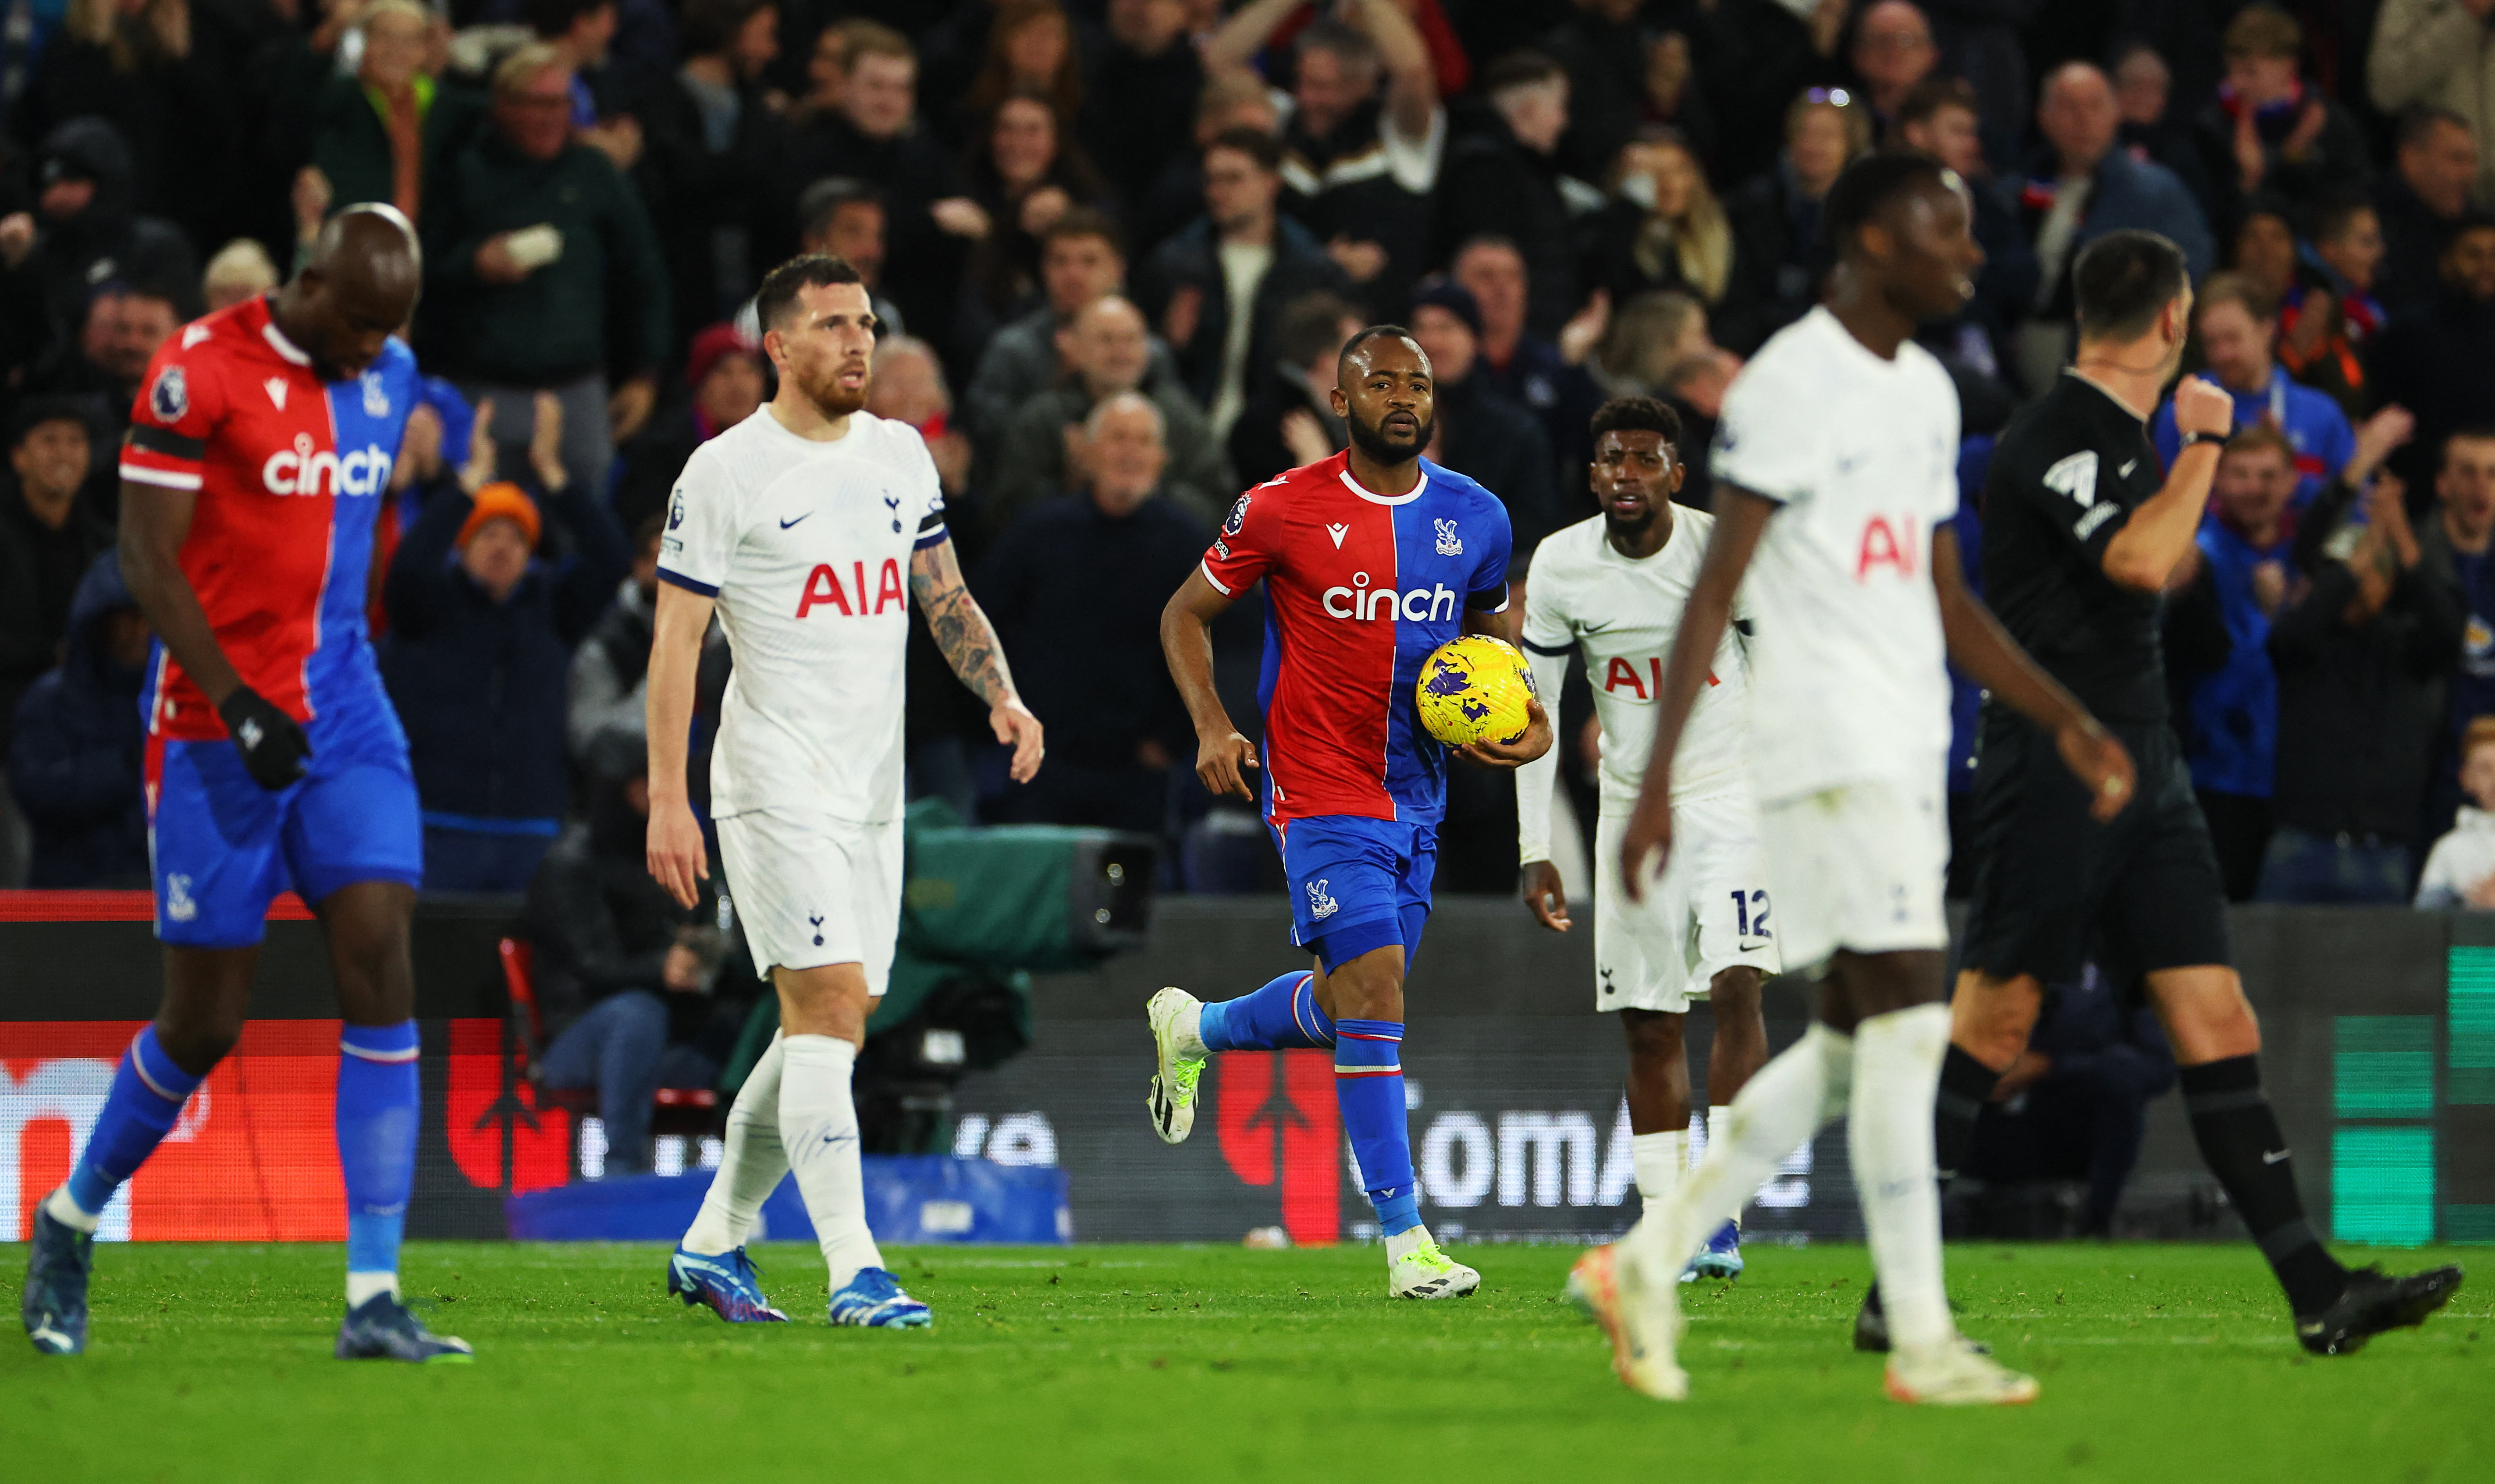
(796, 527)
(1834, 466)
(1612, 589)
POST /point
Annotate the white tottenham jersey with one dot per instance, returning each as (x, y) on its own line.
(806, 547)
(1848, 669)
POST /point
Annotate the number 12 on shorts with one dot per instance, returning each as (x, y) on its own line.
(1750, 913)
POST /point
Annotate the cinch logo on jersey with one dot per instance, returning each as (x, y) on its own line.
(1436, 604)
(304, 470)
(823, 590)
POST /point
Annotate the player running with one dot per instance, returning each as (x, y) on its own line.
(1371, 559)
(1836, 468)
(2082, 534)
(258, 457)
(1612, 589)
(795, 527)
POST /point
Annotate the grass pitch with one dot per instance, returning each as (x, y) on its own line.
(1161, 1362)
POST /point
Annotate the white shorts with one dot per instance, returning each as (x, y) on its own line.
(1710, 911)
(1858, 866)
(813, 892)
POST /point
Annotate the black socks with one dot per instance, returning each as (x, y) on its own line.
(1965, 1083)
(2241, 1142)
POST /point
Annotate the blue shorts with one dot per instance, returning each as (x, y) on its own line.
(222, 848)
(1357, 885)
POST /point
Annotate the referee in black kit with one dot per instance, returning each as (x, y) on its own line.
(2081, 531)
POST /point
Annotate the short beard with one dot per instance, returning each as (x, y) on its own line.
(835, 401)
(1374, 442)
(1615, 526)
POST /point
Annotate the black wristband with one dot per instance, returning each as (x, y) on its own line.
(2195, 440)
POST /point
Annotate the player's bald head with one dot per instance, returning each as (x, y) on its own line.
(369, 251)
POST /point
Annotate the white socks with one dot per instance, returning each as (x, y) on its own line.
(1659, 1159)
(1405, 1242)
(751, 1168)
(69, 1212)
(1896, 1071)
(1791, 1098)
(1717, 1114)
(1186, 1034)
(361, 1286)
(818, 1126)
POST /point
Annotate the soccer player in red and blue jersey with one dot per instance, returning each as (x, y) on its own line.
(259, 455)
(1370, 560)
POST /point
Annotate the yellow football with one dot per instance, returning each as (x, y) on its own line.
(1472, 688)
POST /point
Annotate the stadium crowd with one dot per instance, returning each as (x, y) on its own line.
(1116, 244)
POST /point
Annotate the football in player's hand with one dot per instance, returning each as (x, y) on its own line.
(1474, 688)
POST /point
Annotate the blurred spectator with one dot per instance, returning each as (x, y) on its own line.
(1775, 216)
(1081, 259)
(1139, 98)
(1364, 139)
(620, 965)
(1547, 377)
(2265, 250)
(1025, 175)
(2232, 721)
(1031, 53)
(1674, 101)
(48, 537)
(2422, 197)
(1754, 58)
(158, 78)
(2363, 654)
(725, 373)
(875, 137)
(1939, 118)
(1218, 288)
(241, 270)
(709, 168)
(1506, 179)
(909, 386)
(2266, 132)
(2237, 327)
(2456, 543)
(478, 659)
(123, 326)
(582, 33)
(544, 275)
(2078, 189)
(76, 760)
(1290, 421)
(1046, 451)
(2332, 311)
(2075, 1105)
(385, 133)
(1478, 431)
(1236, 99)
(1076, 590)
(1608, 60)
(2142, 98)
(2440, 52)
(605, 718)
(2435, 358)
(1893, 54)
(1668, 230)
(87, 228)
(2460, 869)
(844, 217)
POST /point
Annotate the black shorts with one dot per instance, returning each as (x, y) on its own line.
(2054, 887)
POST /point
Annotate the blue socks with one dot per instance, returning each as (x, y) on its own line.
(146, 1098)
(1281, 1017)
(377, 1114)
(1368, 1084)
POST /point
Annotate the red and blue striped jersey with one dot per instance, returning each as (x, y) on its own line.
(290, 472)
(1360, 589)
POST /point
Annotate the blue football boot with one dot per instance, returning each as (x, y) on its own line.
(1720, 1257)
(874, 1300)
(58, 1263)
(727, 1282)
(381, 1328)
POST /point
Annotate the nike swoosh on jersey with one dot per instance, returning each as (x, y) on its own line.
(785, 524)
(2124, 472)
(2272, 1156)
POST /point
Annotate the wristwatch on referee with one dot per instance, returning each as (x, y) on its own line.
(2195, 440)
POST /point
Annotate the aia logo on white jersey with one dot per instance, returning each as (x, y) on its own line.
(1895, 544)
(824, 590)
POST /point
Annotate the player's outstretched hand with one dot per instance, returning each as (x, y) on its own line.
(679, 860)
(1543, 896)
(1013, 723)
(272, 744)
(1646, 844)
(1532, 743)
(2100, 761)
(1221, 765)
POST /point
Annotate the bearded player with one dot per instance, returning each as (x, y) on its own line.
(1372, 560)
(1612, 588)
(795, 528)
(258, 457)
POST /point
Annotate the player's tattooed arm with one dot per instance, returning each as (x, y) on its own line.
(969, 644)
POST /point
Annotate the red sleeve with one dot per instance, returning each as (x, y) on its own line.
(1246, 549)
(180, 402)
